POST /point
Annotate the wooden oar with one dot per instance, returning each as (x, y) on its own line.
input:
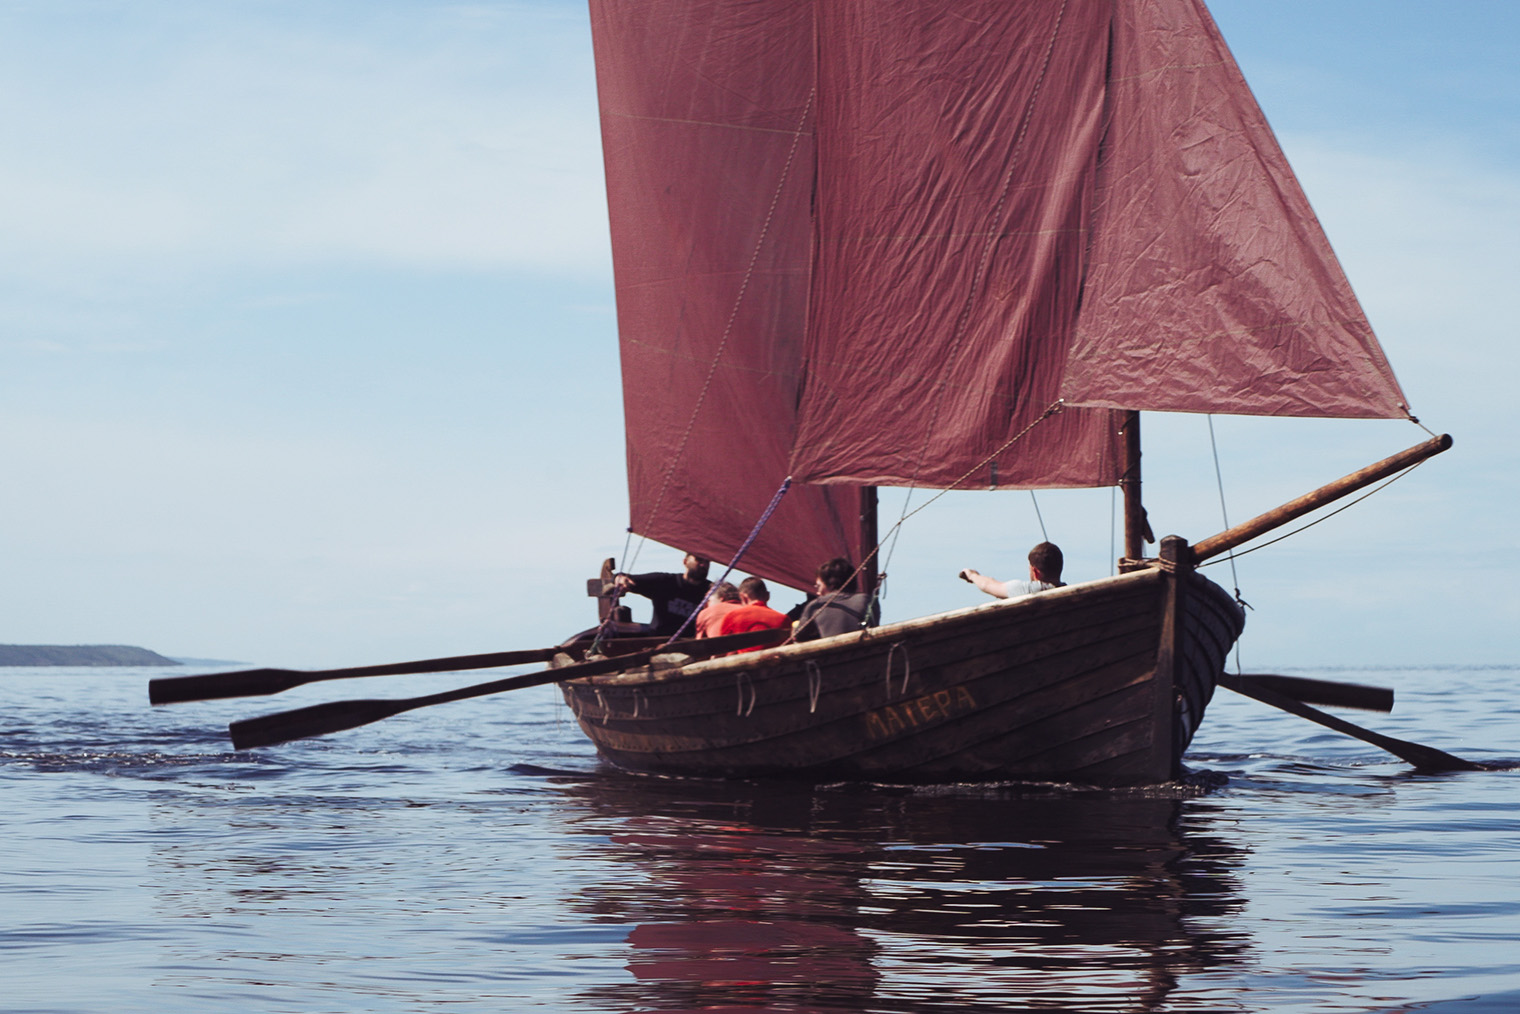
(1424, 758)
(256, 682)
(321, 719)
(1327, 692)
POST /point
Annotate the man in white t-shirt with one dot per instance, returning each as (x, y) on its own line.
(1044, 572)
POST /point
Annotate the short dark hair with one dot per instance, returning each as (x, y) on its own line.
(755, 589)
(725, 592)
(1046, 558)
(837, 574)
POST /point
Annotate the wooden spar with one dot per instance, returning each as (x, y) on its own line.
(1130, 483)
(868, 574)
(1262, 523)
(1137, 530)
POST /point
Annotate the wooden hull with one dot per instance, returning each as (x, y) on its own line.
(1102, 683)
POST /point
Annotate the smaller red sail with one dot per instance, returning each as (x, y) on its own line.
(707, 131)
(1210, 285)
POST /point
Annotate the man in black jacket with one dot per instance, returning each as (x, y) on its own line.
(674, 596)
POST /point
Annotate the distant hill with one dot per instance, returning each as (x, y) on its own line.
(79, 654)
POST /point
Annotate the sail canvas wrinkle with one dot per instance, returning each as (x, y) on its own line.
(1211, 286)
(955, 154)
(705, 109)
(870, 243)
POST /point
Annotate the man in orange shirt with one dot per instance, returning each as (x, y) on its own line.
(753, 612)
(725, 599)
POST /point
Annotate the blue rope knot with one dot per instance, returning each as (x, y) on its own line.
(743, 548)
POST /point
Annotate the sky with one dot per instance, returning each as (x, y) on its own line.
(308, 350)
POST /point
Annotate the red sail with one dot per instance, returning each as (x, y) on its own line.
(1210, 287)
(873, 243)
(707, 131)
(956, 153)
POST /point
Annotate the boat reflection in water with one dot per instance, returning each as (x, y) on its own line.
(749, 896)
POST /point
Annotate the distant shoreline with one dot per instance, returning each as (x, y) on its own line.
(80, 655)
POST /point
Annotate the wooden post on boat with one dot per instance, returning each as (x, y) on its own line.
(1177, 564)
(1137, 530)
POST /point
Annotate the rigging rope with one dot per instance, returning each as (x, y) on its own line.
(733, 314)
(1415, 419)
(1327, 517)
(1224, 515)
(1041, 520)
(993, 236)
(1055, 408)
(744, 548)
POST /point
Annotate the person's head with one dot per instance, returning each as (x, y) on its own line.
(1045, 562)
(696, 567)
(725, 592)
(835, 575)
(752, 589)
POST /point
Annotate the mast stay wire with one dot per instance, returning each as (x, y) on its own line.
(1054, 409)
(1346, 506)
(1225, 516)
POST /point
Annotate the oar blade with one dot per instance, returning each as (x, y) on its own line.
(317, 720)
(1424, 758)
(213, 686)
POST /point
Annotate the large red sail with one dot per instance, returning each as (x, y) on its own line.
(1020, 203)
(708, 137)
(874, 243)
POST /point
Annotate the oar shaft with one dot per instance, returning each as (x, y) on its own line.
(336, 716)
(257, 682)
(321, 719)
(1326, 692)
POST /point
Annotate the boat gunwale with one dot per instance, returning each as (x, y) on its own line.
(803, 650)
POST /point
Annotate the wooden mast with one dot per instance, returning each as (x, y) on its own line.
(1137, 530)
(867, 530)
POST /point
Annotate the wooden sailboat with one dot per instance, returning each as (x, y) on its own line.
(946, 246)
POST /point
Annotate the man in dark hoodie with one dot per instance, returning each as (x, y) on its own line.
(674, 596)
(839, 608)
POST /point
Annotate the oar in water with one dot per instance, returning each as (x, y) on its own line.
(1424, 758)
(1327, 692)
(255, 682)
(321, 719)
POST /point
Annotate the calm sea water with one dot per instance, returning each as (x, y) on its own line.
(477, 857)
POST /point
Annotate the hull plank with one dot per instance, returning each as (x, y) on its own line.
(1059, 686)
